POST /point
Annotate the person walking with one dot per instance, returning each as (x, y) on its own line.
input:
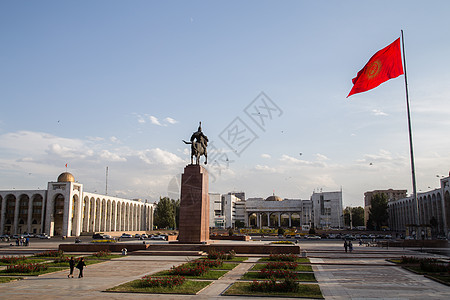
(71, 266)
(345, 245)
(81, 264)
(350, 246)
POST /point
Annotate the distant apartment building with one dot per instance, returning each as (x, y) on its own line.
(391, 195)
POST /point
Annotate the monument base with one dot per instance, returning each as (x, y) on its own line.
(194, 206)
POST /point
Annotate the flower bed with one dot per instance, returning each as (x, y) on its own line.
(288, 285)
(281, 265)
(26, 268)
(282, 257)
(213, 254)
(283, 242)
(50, 253)
(102, 253)
(210, 263)
(189, 270)
(275, 273)
(12, 259)
(172, 281)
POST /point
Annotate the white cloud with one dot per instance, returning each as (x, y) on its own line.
(154, 120)
(170, 120)
(109, 156)
(321, 157)
(264, 155)
(378, 112)
(114, 139)
(158, 156)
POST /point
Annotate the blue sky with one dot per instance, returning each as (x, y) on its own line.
(121, 84)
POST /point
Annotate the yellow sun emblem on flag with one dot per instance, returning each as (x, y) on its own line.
(373, 69)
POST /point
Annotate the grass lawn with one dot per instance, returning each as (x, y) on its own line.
(103, 257)
(66, 264)
(189, 287)
(49, 270)
(8, 279)
(300, 276)
(26, 261)
(299, 260)
(301, 268)
(224, 266)
(211, 274)
(236, 258)
(304, 291)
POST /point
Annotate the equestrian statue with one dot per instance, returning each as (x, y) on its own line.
(198, 143)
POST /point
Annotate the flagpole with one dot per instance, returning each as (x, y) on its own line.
(413, 172)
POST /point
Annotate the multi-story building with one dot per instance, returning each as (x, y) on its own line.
(391, 195)
(327, 209)
(323, 210)
(66, 209)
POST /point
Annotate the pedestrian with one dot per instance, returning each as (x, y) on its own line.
(17, 242)
(350, 246)
(71, 266)
(345, 245)
(27, 241)
(80, 267)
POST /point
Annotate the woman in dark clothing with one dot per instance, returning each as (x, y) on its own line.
(80, 266)
(71, 265)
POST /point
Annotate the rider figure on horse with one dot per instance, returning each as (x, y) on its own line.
(200, 137)
(198, 142)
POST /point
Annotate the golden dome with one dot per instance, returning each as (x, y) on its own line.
(66, 177)
(274, 198)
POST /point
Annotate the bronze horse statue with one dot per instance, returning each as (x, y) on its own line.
(198, 143)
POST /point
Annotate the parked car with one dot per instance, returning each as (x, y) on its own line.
(98, 236)
(126, 236)
(144, 236)
(137, 235)
(313, 237)
(158, 237)
(44, 236)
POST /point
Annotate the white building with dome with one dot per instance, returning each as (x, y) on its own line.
(323, 210)
(65, 209)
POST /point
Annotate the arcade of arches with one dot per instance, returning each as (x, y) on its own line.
(64, 209)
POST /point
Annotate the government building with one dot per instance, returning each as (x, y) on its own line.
(323, 210)
(65, 209)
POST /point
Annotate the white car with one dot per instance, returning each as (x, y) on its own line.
(126, 236)
(44, 236)
(158, 237)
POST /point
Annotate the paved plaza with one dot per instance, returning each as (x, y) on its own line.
(363, 274)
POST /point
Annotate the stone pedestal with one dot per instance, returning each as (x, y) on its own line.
(194, 205)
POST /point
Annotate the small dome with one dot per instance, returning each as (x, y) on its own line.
(66, 177)
(274, 198)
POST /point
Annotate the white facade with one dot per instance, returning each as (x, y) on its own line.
(328, 210)
(323, 210)
(434, 204)
(65, 209)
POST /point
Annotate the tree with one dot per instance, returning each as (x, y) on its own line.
(164, 216)
(176, 207)
(378, 212)
(357, 216)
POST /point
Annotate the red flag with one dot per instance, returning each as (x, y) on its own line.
(382, 66)
(66, 165)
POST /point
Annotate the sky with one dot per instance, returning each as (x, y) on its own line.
(120, 84)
